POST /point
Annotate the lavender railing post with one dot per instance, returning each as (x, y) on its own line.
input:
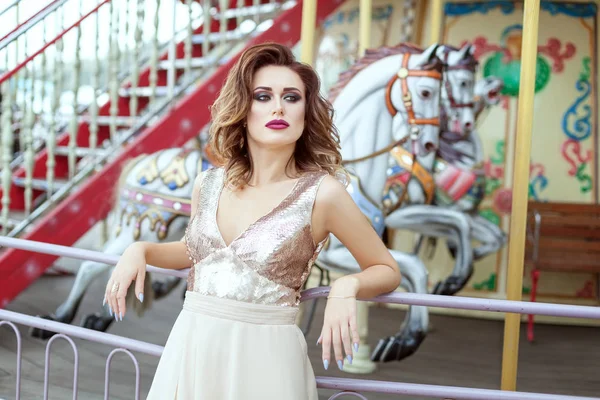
(107, 372)
(18, 335)
(47, 366)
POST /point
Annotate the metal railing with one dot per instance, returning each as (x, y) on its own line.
(345, 386)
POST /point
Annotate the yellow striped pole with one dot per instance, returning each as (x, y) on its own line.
(518, 217)
(364, 37)
(307, 35)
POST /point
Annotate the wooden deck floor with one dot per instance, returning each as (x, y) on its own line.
(459, 352)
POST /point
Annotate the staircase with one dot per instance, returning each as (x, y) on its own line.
(56, 187)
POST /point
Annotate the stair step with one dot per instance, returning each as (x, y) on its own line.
(215, 37)
(196, 62)
(40, 184)
(146, 91)
(250, 11)
(81, 151)
(106, 119)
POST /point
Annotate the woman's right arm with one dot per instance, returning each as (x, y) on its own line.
(132, 263)
(172, 255)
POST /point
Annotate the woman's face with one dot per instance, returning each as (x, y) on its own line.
(276, 117)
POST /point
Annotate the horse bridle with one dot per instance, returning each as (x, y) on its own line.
(453, 102)
(402, 75)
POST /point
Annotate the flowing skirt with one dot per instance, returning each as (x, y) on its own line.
(222, 349)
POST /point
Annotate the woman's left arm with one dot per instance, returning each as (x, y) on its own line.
(337, 214)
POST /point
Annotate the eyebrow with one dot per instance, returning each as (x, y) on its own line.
(287, 89)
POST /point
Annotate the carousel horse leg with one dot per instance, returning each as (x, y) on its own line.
(65, 313)
(489, 234)
(163, 287)
(440, 222)
(485, 232)
(414, 328)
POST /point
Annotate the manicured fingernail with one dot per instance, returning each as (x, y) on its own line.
(121, 316)
(104, 301)
(355, 346)
(340, 364)
(141, 297)
(110, 311)
(116, 318)
(326, 364)
(349, 357)
(318, 340)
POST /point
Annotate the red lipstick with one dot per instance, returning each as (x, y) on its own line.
(277, 124)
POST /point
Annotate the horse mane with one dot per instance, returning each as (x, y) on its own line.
(371, 56)
(470, 62)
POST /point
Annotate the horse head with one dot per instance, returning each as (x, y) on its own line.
(390, 95)
(458, 89)
(488, 89)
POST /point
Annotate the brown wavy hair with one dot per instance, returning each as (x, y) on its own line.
(318, 149)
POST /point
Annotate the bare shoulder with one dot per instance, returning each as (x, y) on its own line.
(332, 198)
(330, 192)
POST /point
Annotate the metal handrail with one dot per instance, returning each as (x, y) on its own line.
(413, 299)
(14, 3)
(4, 77)
(31, 22)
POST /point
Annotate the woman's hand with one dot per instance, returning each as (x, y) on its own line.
(339, 325)
(131, 266)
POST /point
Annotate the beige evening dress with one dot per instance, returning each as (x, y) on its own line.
(236, 337)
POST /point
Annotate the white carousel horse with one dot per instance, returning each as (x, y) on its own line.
(462, 155)
(388, 99)
(459, 110)
(153, 204)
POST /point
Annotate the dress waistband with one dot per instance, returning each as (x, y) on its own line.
(242, 311)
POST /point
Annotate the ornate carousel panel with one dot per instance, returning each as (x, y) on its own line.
(564, 158)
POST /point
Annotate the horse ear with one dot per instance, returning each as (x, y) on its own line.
(440, 50)
(427, 55)
(471, 49)
(466, 51)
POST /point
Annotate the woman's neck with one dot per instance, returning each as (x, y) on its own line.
(271, 165)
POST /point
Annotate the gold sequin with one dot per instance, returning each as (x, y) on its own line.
(266, 264)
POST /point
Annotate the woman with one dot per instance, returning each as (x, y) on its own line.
(258, 223)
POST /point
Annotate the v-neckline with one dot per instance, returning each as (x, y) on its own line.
(253, 224)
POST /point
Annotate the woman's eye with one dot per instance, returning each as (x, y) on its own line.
(292, 98)
(262, 97)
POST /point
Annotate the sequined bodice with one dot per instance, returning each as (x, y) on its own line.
(269, 262)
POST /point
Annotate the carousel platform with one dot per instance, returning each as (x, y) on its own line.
(458, 351)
